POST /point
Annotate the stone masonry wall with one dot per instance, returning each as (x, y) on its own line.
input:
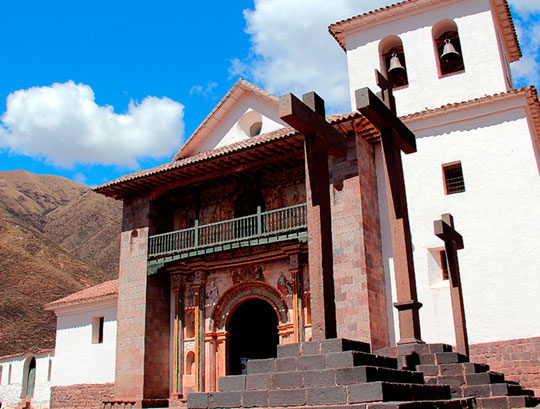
(359, 276)
(517, 359)
(130, 350)
(88, 396)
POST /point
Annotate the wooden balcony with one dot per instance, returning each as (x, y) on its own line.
(287, 223)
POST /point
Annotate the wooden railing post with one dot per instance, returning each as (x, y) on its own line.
(259, 221)
(196, 232)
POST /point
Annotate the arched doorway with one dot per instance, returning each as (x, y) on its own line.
(253, 332)
(30, 379)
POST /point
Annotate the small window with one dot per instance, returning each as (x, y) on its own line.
(453, 178)
(49, 371)
(190, 362)
(97, 330)
(1, 368)
(444, 265)
(9, 375)
(251, 123)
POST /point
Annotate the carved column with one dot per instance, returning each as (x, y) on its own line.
(198, 282)
(178, 286)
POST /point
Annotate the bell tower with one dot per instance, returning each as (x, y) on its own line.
(434, 52)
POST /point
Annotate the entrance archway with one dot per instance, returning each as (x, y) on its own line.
(253, 334)
(29, 379)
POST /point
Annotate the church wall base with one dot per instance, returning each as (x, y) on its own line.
(518, 359)
(89, 396)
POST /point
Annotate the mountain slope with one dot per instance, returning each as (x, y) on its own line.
(34, 270)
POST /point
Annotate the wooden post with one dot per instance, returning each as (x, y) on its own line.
(396, 137)
(321, 140)
(444, 229)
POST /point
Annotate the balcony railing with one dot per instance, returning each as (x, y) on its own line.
(261, 225)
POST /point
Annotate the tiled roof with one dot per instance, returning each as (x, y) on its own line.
(501, 9)
(220, 109)
(32, 351)
(108, 289)
(222, 151)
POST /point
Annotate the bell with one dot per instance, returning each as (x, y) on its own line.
(395, 65)
(449, 52)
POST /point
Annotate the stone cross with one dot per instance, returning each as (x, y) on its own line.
(444, 229)
(321, 140)
(396, 137)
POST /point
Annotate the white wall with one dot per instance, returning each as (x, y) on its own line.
(498, 215)
(484, 65)
(77, 359)
(10, 392)
(227, 130)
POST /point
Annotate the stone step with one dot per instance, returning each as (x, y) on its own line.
(319, 396)
(345, 359)
(442, 358)
(311, 378)
(463, 368)
(321, 347)
(504, 402)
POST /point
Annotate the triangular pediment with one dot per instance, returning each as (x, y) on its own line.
(245, 111)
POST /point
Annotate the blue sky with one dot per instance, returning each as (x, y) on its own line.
(133, 79)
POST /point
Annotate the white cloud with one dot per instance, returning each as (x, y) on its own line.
(527, 22)
(292, 50)
(62, 124)
(204, 91)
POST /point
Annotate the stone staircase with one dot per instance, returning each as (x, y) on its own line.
(441, 366)
(333, 373)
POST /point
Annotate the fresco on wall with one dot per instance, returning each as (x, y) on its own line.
(284, 285)
(248, 273)
(212, 291)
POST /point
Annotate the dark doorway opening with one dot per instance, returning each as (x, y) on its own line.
(253, 334)
(31, 379)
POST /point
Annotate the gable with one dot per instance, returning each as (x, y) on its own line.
(245, 111)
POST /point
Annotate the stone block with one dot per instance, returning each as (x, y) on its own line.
(252, 399)
(286, 397)
(224, 400)
(311, 348)
(450, 358)
(452, 380)
(432, 370)
(348, 376)
(340, 345)
(255, 366)
(288, 350)
(325, 377)
(330, 395)
(232, 383)
(311, 362)
(197, 400)
(258, 382)
(285, 364)
(287, 380)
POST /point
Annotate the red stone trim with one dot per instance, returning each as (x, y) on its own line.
(88, 396)
(517, 359)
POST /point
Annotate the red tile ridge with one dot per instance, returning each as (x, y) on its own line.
(501, 9)
(108, 289)
(206, 124)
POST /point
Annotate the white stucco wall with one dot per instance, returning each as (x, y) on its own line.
(227, 131)
(485, 66)
(77, 359)
(498, 216)
(11, 389)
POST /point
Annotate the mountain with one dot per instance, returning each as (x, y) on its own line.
(84, 222)
(56, 237)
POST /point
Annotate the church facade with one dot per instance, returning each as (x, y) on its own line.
(218, 245)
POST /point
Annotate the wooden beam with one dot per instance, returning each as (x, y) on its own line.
(382, 117)
(306, 121)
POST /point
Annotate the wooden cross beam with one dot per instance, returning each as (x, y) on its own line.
(444, 229)
(396, 137)
(321, 139)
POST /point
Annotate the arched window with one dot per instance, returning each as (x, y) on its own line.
(393, 61)
(190, 362)
(190, 324)
(447, 47)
